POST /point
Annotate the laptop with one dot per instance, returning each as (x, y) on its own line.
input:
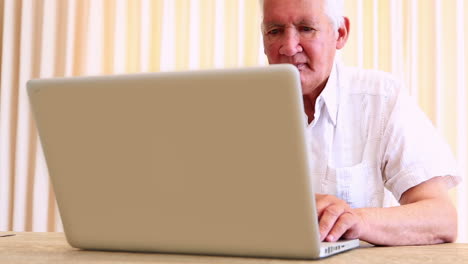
(202, 162)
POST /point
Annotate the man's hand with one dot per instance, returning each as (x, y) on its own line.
(337, 219)
(426, 216)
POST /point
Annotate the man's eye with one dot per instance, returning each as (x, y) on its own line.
(307, 29)
(274, 31)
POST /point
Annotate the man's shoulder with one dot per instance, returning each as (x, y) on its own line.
(359, 81)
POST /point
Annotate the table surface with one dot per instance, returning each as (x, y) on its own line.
(53, 248)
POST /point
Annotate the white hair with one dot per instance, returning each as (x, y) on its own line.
(334, 9)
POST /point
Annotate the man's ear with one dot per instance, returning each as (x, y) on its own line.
(343, 34)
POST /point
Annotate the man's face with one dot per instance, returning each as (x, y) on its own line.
(299, 32)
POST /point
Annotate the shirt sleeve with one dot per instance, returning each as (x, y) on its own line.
(412, 149)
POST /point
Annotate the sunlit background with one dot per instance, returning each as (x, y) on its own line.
(421, 41)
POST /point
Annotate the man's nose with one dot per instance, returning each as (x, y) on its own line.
(291, 43)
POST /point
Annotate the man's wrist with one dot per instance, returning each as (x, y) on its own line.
(363, 224)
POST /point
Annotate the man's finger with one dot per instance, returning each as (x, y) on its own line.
(343, 225)
(321, 202)
(324, 201)
(328, 219)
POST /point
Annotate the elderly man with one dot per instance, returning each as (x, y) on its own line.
(366, 135)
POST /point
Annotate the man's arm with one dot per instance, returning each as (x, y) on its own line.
(426, 216)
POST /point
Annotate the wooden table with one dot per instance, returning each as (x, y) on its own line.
(53, 248)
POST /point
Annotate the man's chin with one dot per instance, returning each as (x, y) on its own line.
(304, 82)
(307, 87)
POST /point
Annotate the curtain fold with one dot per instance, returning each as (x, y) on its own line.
(422, 42)
(8, 108)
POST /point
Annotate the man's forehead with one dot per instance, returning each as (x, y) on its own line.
(301, 21)
(293, 11)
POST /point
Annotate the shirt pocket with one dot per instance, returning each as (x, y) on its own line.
(359, 185)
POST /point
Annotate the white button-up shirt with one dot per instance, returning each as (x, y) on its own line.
(369, 137)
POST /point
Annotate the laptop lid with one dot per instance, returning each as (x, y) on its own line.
(201, 162)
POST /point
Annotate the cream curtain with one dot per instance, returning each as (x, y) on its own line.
(421, 41)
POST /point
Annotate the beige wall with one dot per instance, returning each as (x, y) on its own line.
(422, 41)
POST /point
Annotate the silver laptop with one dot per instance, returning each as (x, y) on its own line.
(202, 162)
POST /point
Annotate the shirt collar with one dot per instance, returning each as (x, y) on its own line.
(329, 95)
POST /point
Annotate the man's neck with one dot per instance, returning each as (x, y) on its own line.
(309, 107)
(309, 101)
